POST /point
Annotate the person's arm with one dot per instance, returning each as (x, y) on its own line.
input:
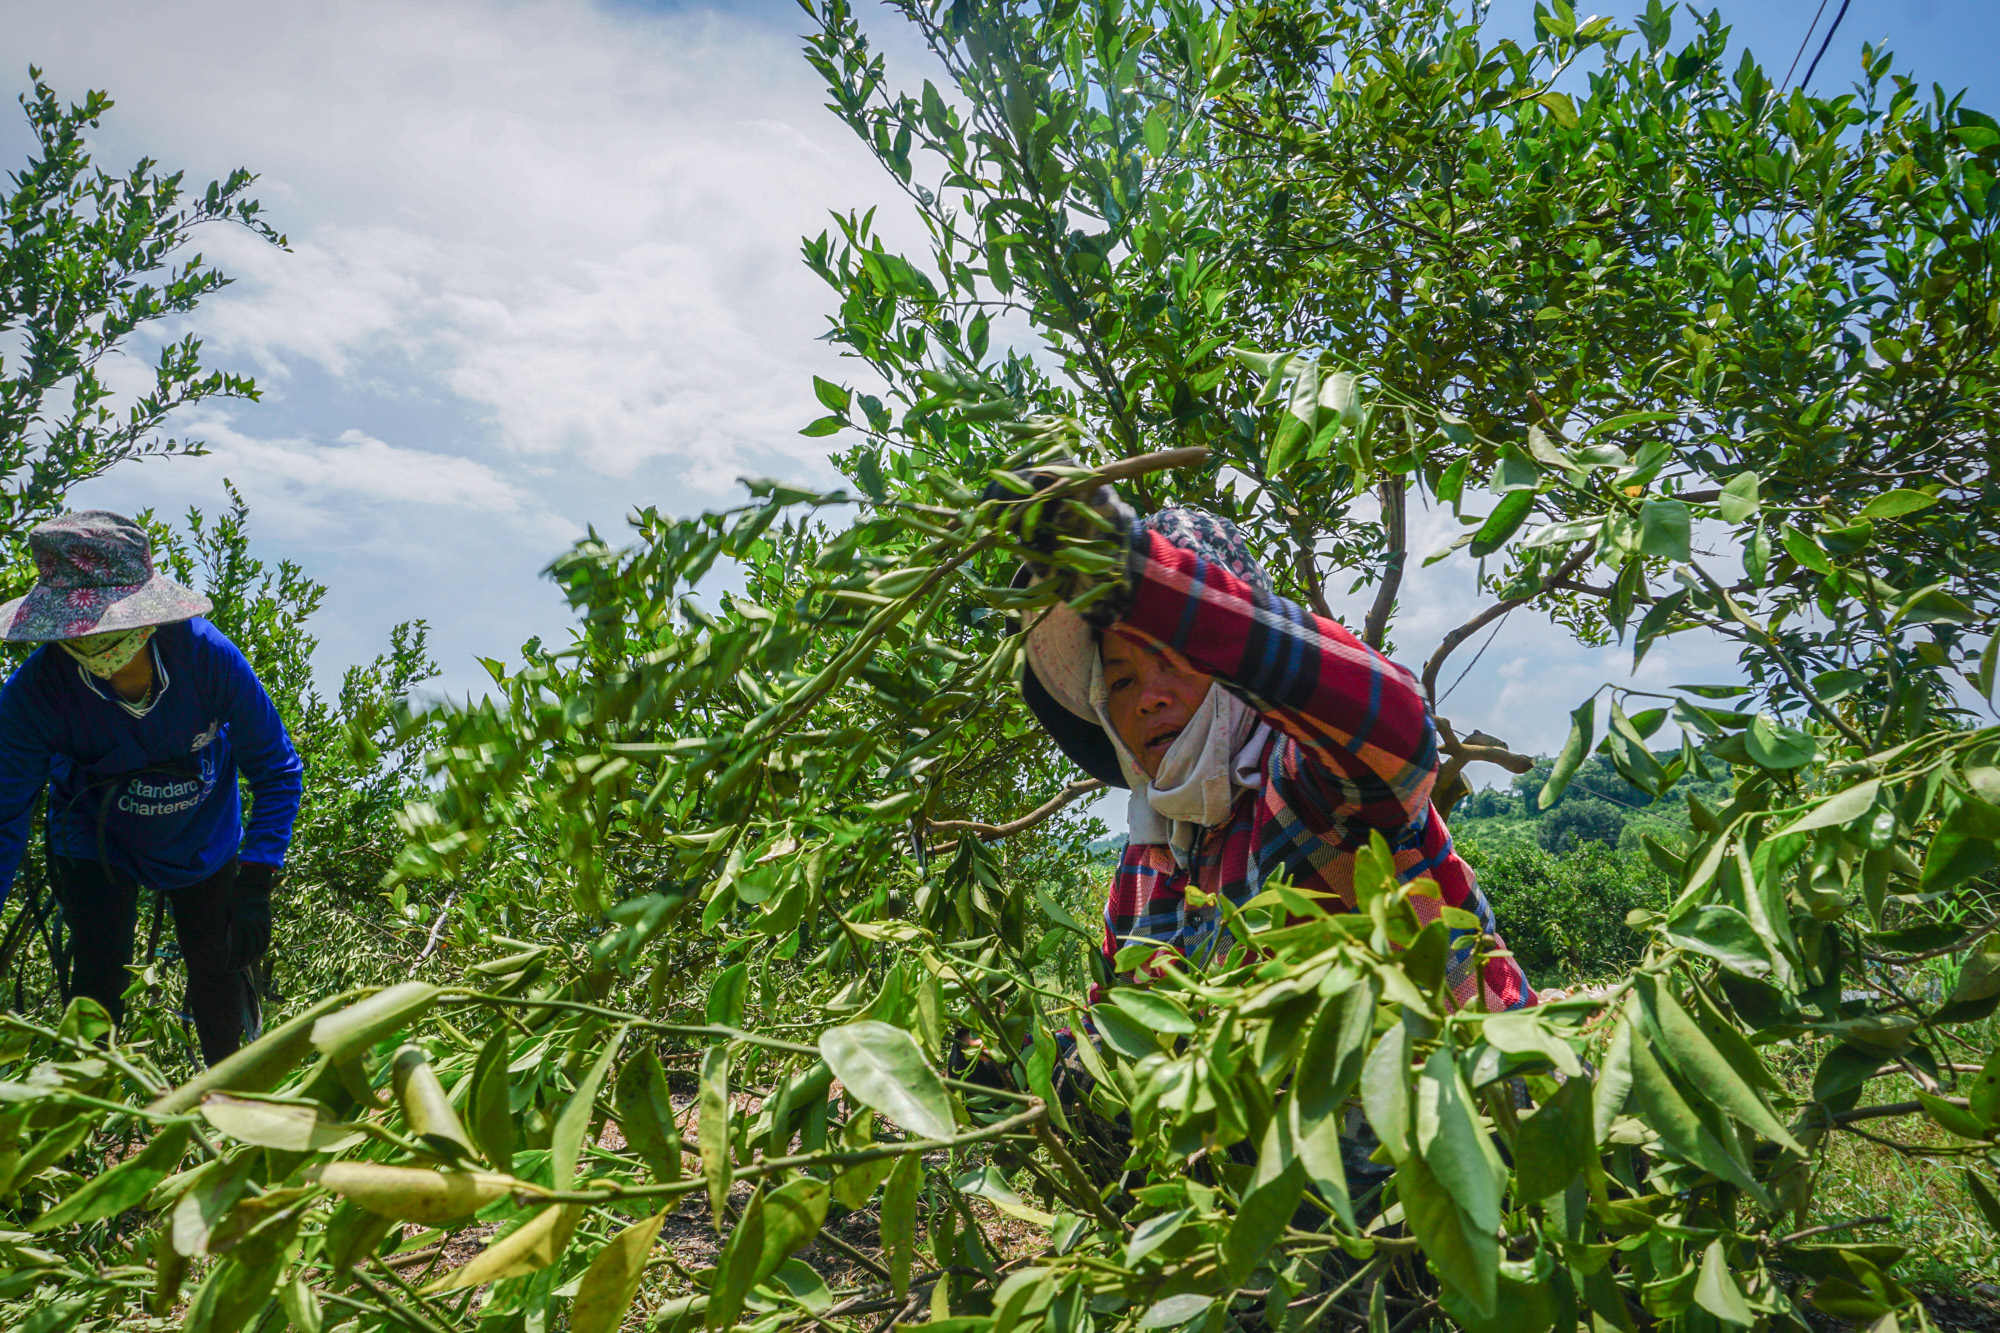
(1346, 704)
(24, 771)
(264, 752)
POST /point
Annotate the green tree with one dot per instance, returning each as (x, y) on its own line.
(1563, 910)
(88, 259)
(1575, 822)
(1341, 257)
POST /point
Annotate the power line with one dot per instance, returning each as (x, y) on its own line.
(1802, 44)
(1828, 42)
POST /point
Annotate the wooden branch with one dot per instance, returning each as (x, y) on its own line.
(1161, 461)
(437, 928)
(1477, 748)
(1393, 492)
(1889, 1109)
(988, 832)
(1830, 1228)
(1493, 613)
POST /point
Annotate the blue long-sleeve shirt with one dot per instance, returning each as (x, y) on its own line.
(181, 819)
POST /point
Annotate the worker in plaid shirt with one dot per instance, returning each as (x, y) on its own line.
(1258, 741)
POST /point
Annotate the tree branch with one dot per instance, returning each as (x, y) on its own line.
(1393, 492)
(1493, 613)
(988, 832)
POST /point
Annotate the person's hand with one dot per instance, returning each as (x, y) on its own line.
(1045, 523)
(250, 914)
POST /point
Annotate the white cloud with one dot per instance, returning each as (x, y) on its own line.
(544, 268)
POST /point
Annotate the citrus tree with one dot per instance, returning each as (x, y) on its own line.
(1686, 354)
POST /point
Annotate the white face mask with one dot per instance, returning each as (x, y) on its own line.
(105, 655)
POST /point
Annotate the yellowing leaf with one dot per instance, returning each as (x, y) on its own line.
(612, 1279)
(413, 1194)
(534, 1245)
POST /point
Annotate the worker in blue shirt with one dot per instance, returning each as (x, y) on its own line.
(137, 714)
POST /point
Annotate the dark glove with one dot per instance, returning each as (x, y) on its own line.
(1044, 526)
(250, 914)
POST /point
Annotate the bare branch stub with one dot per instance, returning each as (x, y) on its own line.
(1494, 612)
(989, 832)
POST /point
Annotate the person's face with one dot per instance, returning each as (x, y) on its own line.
(1150, 692)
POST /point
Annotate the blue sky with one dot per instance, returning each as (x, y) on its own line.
(544, 268)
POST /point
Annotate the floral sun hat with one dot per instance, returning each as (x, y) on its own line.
(1062, 648)
(96, 577)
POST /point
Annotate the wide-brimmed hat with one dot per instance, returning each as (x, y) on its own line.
(96, 577)
(1061, 648)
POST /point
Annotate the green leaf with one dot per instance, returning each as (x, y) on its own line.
(1614, 1081)
(1175, 1311)
(1385, 1091)
(1805, 550)
(1465, 1255)
(123, 1186)
(1452, 484)
(1724, 934)
(529, 1248)
(1152, 1233)
(1527, 1032)
(831, 396)
(1318, 1142)
(1560, 108)
(1682, 1133)
(573, 1122)
(1582, 732)
(727, 993)
(1984, 1094)
(1515, 472)
(1953, 1119)
(774, 1227)
(1124, 1033)
(1505, 520)
(1778, 745)
(233, 1292)
(1838, 810)
(1894, 504)
(1663, 529)
(987, 1183)
(712, 1119)
(1982, 1197)
(612, 1280)
(1738, 501)
(1453, 1143)
(1989, 667)
(1555, 1143)
(1267, 1207)
(826, 425)
(1716, 1291)
(411, 1193)
(1757, 557)
(899, 1220)
(646, 1114)
(490, 1119)
(1158, 1012)
(285, 1126)
(1702, 1065)
(1931, 606)
(1629, 755)
(1618, 423)
(301, 1305)
(1961, 849)
(882, 1068)
(344, 1035)
(1335, 1047)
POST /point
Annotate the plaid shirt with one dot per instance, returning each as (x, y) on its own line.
(1353, 752)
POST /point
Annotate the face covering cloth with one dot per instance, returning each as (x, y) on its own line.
(1215, 759)
(104, 655)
